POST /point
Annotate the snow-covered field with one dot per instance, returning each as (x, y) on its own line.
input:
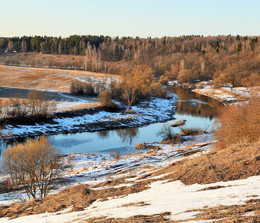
(163, 196)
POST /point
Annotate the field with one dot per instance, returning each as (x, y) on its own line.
(17, 82)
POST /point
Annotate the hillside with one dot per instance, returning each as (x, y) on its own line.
(216, 185)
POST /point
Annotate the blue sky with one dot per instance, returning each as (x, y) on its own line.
(143, 18)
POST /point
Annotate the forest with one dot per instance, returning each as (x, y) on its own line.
(229, 59)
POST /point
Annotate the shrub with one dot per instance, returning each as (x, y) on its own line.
(81, 88)
(158, 90)
(34, 107)
(239, 123)
(116, 154)
(17, 108)
(167, 132)
(34, 165)
(105, 100)
(38, 106)
(187, 75)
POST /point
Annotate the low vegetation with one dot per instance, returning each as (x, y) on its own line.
(86, 89)
(167, 132)
(191, 131)
(33, 165)
(137, 84)
(35, 107)
(239, 123)
(105, 100)
(170, 137)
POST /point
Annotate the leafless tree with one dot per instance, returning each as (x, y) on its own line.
(34, 165)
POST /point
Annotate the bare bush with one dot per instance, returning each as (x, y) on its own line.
(167, 132)
(35, 106)
(16, 108)
(86, 89)
(39, 107)
(34, 165)
(116, 154)
(239, 123)
(105, 100)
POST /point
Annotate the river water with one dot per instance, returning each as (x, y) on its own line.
(199, 111)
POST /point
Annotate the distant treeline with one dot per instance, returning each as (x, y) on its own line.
(72, 45)
(128, 48)
(226, 59)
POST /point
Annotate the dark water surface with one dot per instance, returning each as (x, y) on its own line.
(199, 111)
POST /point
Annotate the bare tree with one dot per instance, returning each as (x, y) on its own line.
(129, 95)
(86, 60)
(23, 46)
(34, 165)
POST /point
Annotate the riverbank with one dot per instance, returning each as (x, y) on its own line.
(146, 112)
(95, 168)
(226, 94)
(151, 185)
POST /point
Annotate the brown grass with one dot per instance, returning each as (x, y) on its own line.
(156, 218)
(42, 78)
(77, 197)
(233, 213)
(240, 123)
(235, 162)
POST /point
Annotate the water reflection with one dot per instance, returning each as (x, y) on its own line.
(196, 105)
(127, 135)
(103, 134)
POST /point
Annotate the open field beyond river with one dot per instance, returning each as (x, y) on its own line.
(17, 82)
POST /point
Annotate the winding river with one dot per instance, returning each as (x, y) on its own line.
(199, 111)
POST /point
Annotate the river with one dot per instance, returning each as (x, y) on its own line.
(199, 111)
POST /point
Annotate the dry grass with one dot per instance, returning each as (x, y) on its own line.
(248, 212)
(77, 197)
(191, 131)
(240, 123)
(136, 204)
(235, 162)
(147, 146)
(157, 218)
(42, 78)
